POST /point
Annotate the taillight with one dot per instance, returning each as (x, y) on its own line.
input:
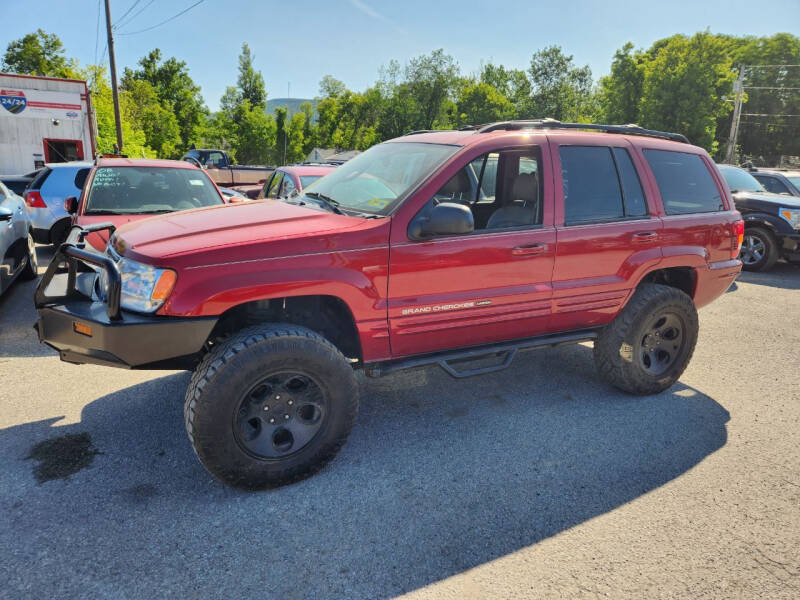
(737, 229)
(34, 200)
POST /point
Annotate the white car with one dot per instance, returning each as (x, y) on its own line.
(17, 250)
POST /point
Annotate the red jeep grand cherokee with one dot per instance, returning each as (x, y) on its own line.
(433, 248)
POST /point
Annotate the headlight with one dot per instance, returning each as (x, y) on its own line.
(144, 288)
(792, 215)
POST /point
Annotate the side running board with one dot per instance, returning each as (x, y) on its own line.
(504, 352)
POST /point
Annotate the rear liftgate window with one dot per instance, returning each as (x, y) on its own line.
(685, 184)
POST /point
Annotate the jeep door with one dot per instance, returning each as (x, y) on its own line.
(608, 229)
(452, 291)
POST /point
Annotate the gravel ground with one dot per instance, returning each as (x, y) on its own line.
(539, 481)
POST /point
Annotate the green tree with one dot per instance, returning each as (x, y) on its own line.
(511, 83)
(250, 81)
(621, 90)
(479, 102)
(176, 91)
(559, 89)
(309, 130)
(159, 124)
(133, 136)
(39, 53)
(684, 84)
(431, 81)
(255, 137)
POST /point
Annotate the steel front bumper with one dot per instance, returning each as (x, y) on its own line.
(85, 330)
(133, 341)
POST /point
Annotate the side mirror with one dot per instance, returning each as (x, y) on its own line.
(6, 214)
(446, 218)
(71, 205)
(235, 199)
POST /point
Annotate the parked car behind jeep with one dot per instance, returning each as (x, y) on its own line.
(122, 190)
(771, 221)
(435, 248)
(45, 197)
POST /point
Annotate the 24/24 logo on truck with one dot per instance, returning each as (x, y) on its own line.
(13, 101)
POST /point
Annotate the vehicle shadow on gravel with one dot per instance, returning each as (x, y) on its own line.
(782, 275)
(439, 476)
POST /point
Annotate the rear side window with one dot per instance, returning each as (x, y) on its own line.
(39, 180)
(685, 184)
(80, 178)
(772, 184)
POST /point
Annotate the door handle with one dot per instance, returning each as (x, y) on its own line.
(641, 237)
(531, 250)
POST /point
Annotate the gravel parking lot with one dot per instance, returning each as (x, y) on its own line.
(536, 481)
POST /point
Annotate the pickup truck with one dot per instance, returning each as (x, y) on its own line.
(222, 170)
(573, 233)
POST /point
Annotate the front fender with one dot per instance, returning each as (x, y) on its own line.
(772, 222)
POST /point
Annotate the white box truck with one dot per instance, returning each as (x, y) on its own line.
(44, 120)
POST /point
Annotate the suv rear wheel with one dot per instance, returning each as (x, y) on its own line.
(759, 250)
(647, 347)
(270, 405)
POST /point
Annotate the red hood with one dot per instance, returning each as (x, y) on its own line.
(229, 226)
(100, 239)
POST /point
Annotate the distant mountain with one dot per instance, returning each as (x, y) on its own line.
(294, 104)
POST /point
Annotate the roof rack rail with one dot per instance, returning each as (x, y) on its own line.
(630, 129)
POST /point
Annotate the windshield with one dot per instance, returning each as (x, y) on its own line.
(739, 180)
(373, 182)
(143, 190)
(795, 179)
(307, 180)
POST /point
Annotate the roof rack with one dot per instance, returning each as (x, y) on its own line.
(631, 129)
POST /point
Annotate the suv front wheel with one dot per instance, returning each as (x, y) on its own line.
(270, 405)
(759, 250)
(646, 348)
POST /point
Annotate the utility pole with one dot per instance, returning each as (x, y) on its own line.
(113, 66)
(286, 120)
(738, 89)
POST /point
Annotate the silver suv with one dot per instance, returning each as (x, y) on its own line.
(45, 199)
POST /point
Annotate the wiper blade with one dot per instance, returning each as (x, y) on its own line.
(327, 201)
(104, 212)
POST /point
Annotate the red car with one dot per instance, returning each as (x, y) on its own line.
(286, 180)
(122, 190)
(435, 248)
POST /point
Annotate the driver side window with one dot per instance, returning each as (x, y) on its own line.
(503, 190)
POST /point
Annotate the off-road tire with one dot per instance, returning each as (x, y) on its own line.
(618, 349)
(226, 374)
(771, 252)
(31, 268)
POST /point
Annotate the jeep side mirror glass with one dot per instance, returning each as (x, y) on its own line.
(71, 205)
(446, 218)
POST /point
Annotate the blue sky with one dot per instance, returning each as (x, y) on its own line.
(350, 39)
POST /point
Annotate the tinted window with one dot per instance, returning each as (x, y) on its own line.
(685, 184)
(18, 187)
(739, 180)
(772, 184)
(288, 186)
(40, 178)
(632, 193)
(80, 178)
(61, 183)
(591, 186)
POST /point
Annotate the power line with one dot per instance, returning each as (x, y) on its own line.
(126, 13)
(134, 15)
(185, 10)
(97, 30)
